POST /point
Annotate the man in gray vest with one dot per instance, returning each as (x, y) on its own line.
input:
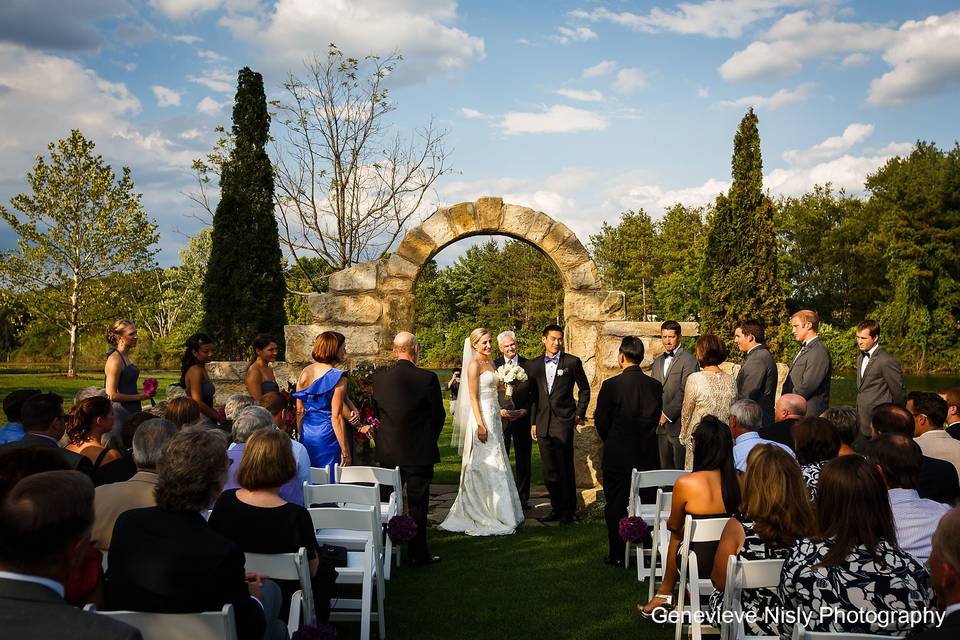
(879, 378)
(757, 379)
(671, 369)
(809, 374)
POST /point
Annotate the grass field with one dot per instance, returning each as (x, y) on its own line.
(67, 387)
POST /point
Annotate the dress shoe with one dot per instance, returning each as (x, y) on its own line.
(424, 562)
(614, 562)
(566, 520)
(525, 506)
(553, 516)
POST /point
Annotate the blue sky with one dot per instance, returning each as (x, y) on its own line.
(579, 109)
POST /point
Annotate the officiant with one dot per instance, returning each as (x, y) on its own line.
(516, 429)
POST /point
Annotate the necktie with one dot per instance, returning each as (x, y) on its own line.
(668, 354)
(555, 359)
(866, 354)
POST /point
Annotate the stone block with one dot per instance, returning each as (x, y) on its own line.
(516, 220)
(331, 308)
(537, 228)
(558, 235)
(583, 276)
(489, 213)
(398, 267)
(462, 219)
(417, 247)
(623, 328)
(361, 277)
(398, 314)
(438, 228)
(224, 371)
(594, 305)
(361, 340)
(587, 454)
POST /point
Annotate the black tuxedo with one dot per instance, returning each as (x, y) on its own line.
(627, 415)
(954, 430)
(881, 381)
(76, 461)
(169, 562)
(938, 481)
(781, 432)
(409, 404)
(518, 431)
(948, 629)
(554, 414)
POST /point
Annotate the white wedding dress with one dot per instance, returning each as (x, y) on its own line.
(487, 503)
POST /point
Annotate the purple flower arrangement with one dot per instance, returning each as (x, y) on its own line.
(401, 528)
(314, 632)
(634, 530)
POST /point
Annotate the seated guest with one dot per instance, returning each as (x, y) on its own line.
(847, 423)
(952, 396)
(44, 426)
(89, 424)
(898, 458)
(44, 522)
(182, 411)
(853, 563)
(710, 491)
(945, 577)
(12, 404)
(776, 513)
(745, 418)
(130, 428)
(818, 442)
(237, 403)
(275, 403)
(137, 492)
(789, 408)
(929, 413)
(938, 478)
(88, 392)
(250, 420)
(167, 559)
(258, 519)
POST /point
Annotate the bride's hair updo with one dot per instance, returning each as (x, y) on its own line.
(476, 334)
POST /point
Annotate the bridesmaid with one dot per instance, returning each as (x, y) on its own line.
(320, 402)
(193, 374)
(121, 374)
(260, 377)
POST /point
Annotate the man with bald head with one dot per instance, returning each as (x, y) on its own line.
(409, 404)
(945, 577)
(789, 408)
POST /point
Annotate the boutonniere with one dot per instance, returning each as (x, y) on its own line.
(560, 372)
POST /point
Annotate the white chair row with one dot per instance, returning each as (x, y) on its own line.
(663, 478)
(209, 625)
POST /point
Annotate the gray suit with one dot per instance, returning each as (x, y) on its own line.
(809, 376)
(670, 451)
(757, 381)
(882, 381)
(30, 610)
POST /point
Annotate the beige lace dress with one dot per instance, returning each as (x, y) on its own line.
(706, 393)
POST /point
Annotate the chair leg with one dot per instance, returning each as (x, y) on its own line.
(626, 556)
(387, 558)
(365, 606)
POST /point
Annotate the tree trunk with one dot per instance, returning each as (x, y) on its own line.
(74, 330)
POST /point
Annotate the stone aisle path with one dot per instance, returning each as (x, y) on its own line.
(443, 495)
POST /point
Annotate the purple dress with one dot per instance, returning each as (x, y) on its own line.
(316, 430)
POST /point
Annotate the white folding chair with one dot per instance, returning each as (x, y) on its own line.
(746, 574)
(799, 633)
(378, 476)
(705, 530)
(319, 475)
(350, 496)
(663, 478)
(660, 540)
(361, 566)
(209, 625)
(288, 566)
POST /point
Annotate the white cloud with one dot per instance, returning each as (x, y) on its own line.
(473, 114)
(130, 67)
(556, 119)
(210, 106)
(846, 172)
(166, 97)
(627, 193)
(703, 92)
(180, 9)
(423, 30)
(210, 56)
(583, 96)
(833, 146)
(599, 69)
(779, 99)
(566, 35)
(190, 134)
(187, 39)
(854, 59)
(712, 18)
(893, 149)
(221, 80)
(925, 61)
(630, 80)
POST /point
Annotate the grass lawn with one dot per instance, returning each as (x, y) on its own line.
(67, 387)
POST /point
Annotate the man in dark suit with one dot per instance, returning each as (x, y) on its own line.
(879, 378)
(952, 396)
(409, 404)
(945, 578)
(787, 411)
(671, 369)
(517, 429)
(938, 478)
(809, 374)
(757, 379)
(43, 530)
(554, 416)
(43, 421)
(628, 411)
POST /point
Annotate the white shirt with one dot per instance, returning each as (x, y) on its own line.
(668, 360)
(866, 360)
(551, 372)
(805, 345)
(22, 577)
(513, 360)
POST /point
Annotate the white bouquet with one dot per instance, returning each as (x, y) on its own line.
(509, 375)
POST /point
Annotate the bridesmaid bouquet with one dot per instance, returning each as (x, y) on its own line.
(634, 529)
(509, 375)
(401, 528)
(150, 388)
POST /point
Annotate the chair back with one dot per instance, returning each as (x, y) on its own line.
(659, 477)
(353, 519)
(799, 633)
(745, 574)
(209, 625)
(373, 475)
(691, 567)
(319, 475)
(660, 537)
(286, 566)
(341, 494)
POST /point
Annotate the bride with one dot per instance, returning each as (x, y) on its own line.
(487, 503)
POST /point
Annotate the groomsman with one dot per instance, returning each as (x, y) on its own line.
(809, 374)
(952, 396)
(629, 409)
(671, 369)
(517, 429)
(879, 378)
(554, 415)
(757, 379)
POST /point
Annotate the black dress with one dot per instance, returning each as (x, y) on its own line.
(282, 529)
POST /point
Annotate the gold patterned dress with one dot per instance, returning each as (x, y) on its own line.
(706, 393)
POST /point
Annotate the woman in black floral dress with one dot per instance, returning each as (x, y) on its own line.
(776, 513)
(853, 565)
(817, 442)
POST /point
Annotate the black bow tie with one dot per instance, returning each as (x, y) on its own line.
(866, 354)
(669, 354)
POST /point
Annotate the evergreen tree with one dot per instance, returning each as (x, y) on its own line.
(740, 277)
(244, 288)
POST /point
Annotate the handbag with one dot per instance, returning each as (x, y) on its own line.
(333, 555)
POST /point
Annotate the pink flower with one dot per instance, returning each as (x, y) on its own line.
(150, 386)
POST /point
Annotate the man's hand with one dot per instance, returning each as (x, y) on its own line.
(581, 420)
(663, 420)
(255, 586)
(506, 415)
(533, 431)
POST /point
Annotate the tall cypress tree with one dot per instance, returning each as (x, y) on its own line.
(740, 276)
(244, 288)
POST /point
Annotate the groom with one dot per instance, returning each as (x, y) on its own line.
(554, 414)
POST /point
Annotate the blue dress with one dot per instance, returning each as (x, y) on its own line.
(317, 433)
